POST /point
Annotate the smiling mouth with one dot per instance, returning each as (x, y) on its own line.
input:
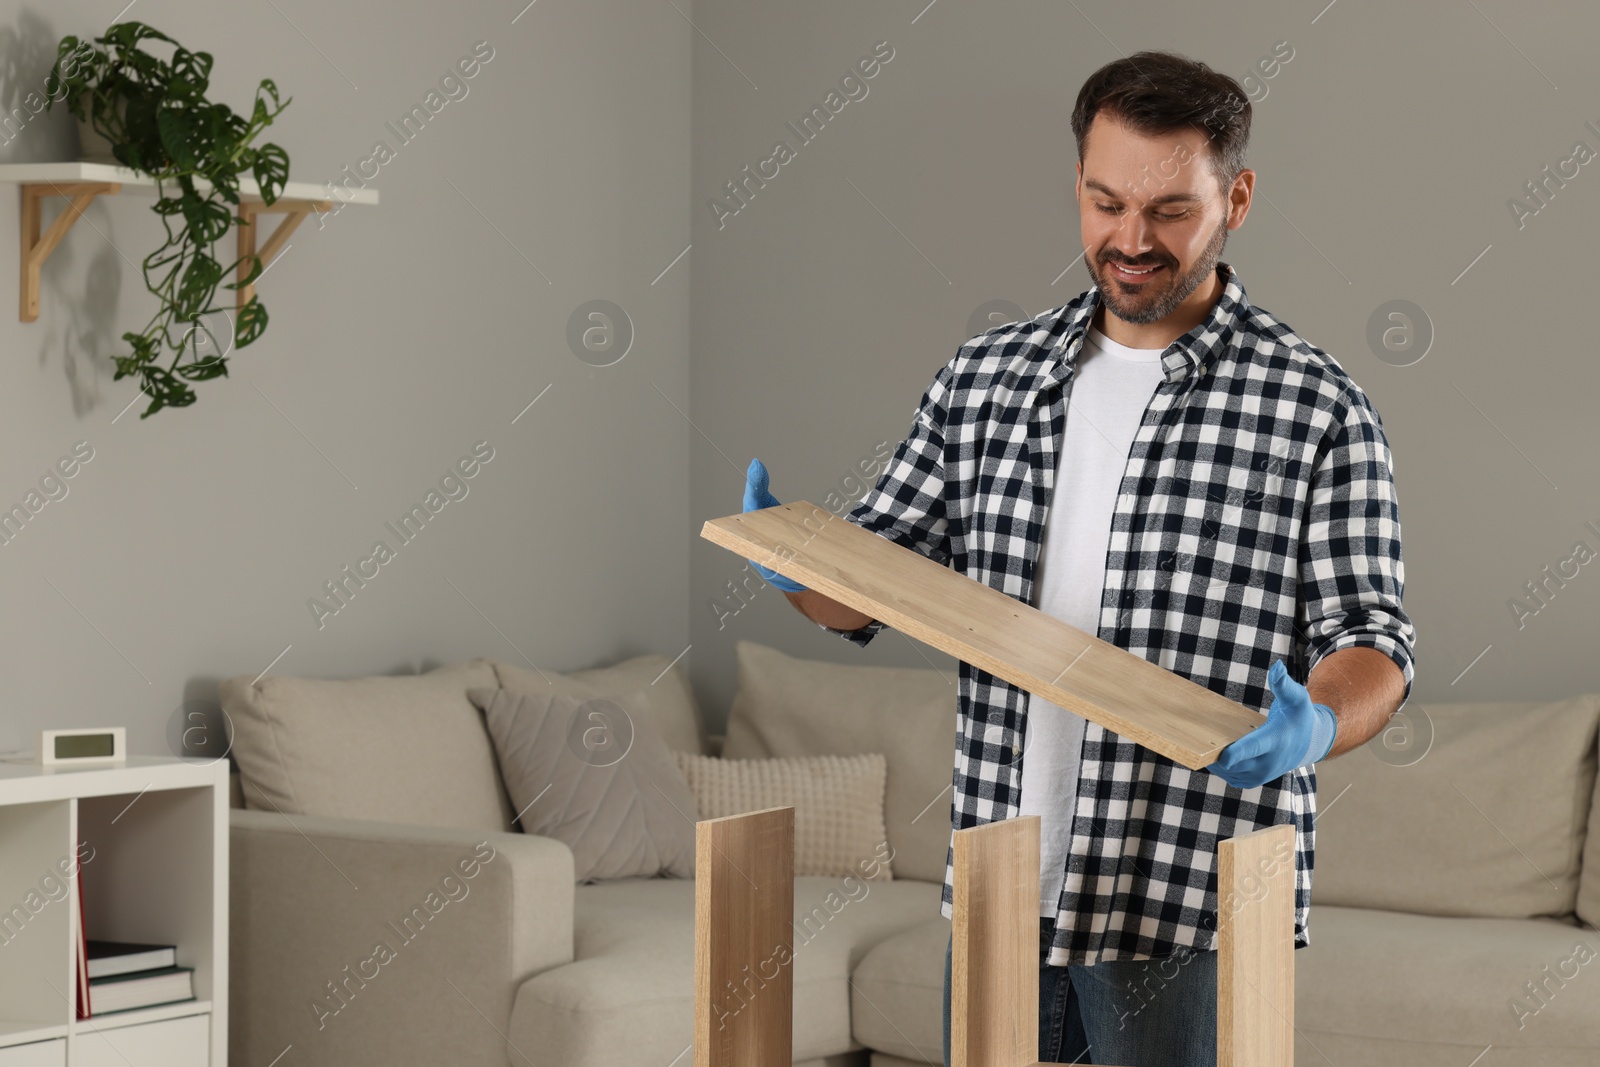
(1135, 275)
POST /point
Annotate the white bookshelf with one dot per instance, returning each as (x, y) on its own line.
(157, 873)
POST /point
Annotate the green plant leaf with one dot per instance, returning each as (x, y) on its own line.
(195, 287)
(208, 221)
(191, 74)
(255, 271)
(76, 62)
(204, 370)
(271, 171)
(251, 323)
(261, 114)
(127, 34)
(177, 136)
(164, 390)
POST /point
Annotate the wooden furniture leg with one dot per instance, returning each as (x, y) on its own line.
(1255, 949)
(994, 978)
(994, 954)
(743, 940)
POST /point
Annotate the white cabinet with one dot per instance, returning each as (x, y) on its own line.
(35, 1054)
(144, 845)
(169, 1043)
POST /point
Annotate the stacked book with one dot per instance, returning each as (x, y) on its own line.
(120, 976)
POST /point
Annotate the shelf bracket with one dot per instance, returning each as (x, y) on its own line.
(36, 248)
(294, 212)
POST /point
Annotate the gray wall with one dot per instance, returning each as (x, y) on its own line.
(187, 548)
(1386, 151)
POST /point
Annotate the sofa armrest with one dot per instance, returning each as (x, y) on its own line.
(369, 942)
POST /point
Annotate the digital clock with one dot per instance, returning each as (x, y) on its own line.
(75, 747)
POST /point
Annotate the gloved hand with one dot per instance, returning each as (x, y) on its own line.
(756, 497)
(1297, 732)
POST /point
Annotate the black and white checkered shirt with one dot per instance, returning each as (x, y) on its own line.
(1256, 520)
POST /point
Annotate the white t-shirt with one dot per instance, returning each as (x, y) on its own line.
(1110, 391)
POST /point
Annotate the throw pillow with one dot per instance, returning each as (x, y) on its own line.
(1485, 819)
(592, 772)
(787, 706)
(837, 801)
(673, 709)
(401, 748)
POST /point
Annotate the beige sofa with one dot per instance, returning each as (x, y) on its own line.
(1443, 884)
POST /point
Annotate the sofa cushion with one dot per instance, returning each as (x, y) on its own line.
(837, 801)
(621, 805)
(628, 996)
(796, 707)
(1488, 821)
(1388, 989)
(897, 995)
(1589, 881)
(676, 713)
(406, 748)
(1422, 979)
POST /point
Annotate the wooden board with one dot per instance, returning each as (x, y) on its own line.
(743, 940)
(1111, 686)
(994, 950)
(1255, 949)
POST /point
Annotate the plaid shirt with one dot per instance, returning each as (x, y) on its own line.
(1256, 520)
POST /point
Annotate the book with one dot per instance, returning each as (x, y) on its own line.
(119, 957)
(84, 1007)
(141, 989)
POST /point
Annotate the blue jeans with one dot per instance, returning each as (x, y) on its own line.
(1135, 1013)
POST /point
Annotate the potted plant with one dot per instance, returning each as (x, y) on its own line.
(151, 115)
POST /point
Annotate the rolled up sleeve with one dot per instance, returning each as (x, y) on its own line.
(1351, 569)
(907, 505)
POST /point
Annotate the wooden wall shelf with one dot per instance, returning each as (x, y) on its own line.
(81, 182)
(1111, 686)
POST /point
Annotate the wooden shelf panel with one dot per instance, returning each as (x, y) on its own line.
(75, 171)
(1111, 686)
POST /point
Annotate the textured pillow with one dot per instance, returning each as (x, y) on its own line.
(837, 801)
(1489, 822)
(796, 707)
(673, 710)
(593, 773)
(404, 748)
(1589, 881)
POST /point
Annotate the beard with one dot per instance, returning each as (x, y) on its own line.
(1154, 301)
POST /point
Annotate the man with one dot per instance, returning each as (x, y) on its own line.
(1165, 465)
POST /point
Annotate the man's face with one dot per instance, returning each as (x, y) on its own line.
(1152, 205)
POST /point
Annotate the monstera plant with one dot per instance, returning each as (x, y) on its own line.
(154, 114)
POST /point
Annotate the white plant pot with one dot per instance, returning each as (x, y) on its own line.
(92, 146)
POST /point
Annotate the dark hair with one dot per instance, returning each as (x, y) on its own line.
(1162, 92)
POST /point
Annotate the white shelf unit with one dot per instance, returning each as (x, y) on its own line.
(154, 869)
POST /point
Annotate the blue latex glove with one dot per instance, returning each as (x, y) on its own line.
(756, 497)
(1297, 732)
